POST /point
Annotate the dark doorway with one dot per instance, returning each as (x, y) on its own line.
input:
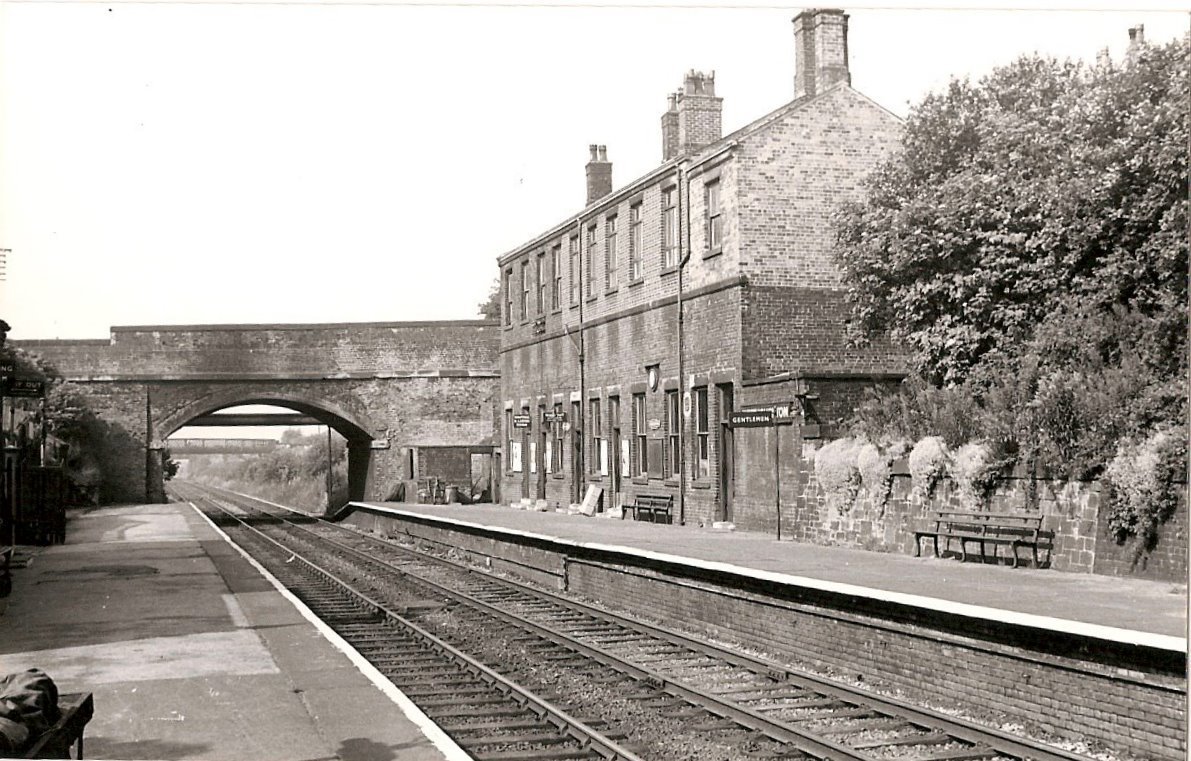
(727, 460)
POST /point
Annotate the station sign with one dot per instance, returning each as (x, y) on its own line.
(554, 417)
(522, 420)
(7, 368)
(762, 417)
(22, 387)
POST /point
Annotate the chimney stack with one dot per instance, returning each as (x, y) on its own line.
(820, 50)
(692, 119)
(1137, 39)
(599, 174)
(670, 128)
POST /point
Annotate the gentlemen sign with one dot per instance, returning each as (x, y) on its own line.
(521, 421)
(762, 417)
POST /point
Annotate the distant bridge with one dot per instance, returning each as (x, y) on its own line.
(179, 447)
(390, 389)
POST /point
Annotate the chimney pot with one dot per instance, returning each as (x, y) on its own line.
(593, 149)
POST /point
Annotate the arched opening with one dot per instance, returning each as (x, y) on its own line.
(313, 455)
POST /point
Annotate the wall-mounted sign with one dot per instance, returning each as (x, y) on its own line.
(522, 420)
(554, 417)
(380, 444)
(654, 424)
(22, 387)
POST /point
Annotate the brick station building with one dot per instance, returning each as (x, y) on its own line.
(632, 329)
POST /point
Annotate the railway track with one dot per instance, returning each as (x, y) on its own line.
(662, 693)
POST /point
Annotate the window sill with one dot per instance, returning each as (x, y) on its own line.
(638, 281)
(641, 480)
(713, 254)
(669, 270)
(556, 310)
(595, 478)
(611, 292)
(700, 485)
(592, 299)
(559, 476)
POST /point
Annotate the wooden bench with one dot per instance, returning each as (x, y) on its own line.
(652, 507)
(75, 710)
(1013, 529)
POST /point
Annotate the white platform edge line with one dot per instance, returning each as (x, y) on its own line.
(429, 729)
(1033, 620)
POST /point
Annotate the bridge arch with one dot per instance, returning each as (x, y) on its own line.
(349, 424)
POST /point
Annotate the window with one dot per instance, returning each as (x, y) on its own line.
(525, 289)
(556, 452)
(589, 266)
(556, 271)
(715, 218)
(673, 421)
(575, 272)
(670, 227)
(610, 253)
(508, 315)
(635, 270)
(541, 282)
(702, 435)
(593, 425)
(640, 456)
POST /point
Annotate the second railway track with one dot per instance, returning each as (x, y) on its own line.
(641, 690)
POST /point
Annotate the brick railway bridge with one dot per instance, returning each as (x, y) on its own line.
(394, 391)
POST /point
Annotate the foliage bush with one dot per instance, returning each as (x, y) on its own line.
(875, 466)
(1142, 484)
(974, 473)
(928, 463)
(837, 472)
(1028, 245)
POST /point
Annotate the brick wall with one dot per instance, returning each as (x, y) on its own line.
(793, 329)
(795, 173)
(302, 350)
(1074, 524)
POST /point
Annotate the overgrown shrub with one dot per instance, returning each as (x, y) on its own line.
(875, 467)
(837, 472)
(1141, 486)
(974, 473)
(928, 464)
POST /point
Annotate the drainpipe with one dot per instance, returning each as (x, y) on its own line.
(582, 367)
(684, 213)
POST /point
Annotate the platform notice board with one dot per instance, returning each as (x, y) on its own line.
(591, 500)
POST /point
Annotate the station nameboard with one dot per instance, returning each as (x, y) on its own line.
(521, 420)
(554, 417)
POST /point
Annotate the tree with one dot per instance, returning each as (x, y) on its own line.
(1029, 246)
(1046, 187)
(490, 308)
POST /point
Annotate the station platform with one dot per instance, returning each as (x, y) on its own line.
(1124, 610)
(190, 651)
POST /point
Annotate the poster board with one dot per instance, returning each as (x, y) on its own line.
(591, 500)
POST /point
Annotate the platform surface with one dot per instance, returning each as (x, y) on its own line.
(1156, 610)
(189, 650)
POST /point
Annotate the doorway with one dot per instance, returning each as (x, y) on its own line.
(727, 450)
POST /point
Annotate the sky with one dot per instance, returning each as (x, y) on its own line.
(239, 162)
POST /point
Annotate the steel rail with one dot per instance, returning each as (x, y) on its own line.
(959, 729)
(578, 730)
